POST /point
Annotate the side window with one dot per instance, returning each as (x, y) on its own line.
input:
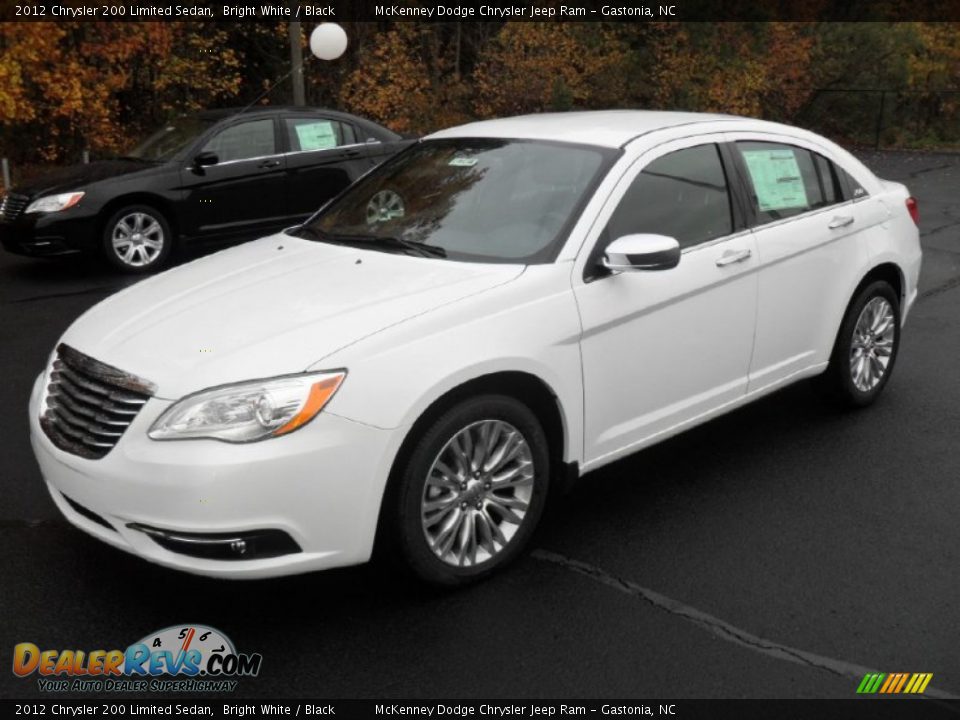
(852, 190)
(245, 140)
(787, 180)
(683, 195)
(313, 134)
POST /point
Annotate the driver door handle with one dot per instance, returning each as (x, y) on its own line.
(733, 256)
(269, 164)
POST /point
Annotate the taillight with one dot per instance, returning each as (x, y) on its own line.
(914, 210)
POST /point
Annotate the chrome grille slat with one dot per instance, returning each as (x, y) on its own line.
(90, 404)
(72, 418)
(12, 205)
(70, 386)
(124, 397)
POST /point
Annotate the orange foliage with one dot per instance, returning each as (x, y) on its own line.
(390, 83)
(75, 85)
(533, 67)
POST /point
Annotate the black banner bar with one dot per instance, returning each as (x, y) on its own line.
(483, 11)
(867, 708)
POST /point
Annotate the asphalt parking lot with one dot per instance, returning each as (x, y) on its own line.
(781, 551)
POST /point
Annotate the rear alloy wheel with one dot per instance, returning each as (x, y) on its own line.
(473, 490)
(137, 239)
(867, 345)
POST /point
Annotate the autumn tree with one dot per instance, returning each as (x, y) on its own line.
(390, 83)
(533, 67)
(77, 85)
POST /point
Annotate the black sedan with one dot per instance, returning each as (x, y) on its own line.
(219, 176)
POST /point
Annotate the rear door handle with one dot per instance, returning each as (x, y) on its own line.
(840, 221)
(733, 256)
(269, 164)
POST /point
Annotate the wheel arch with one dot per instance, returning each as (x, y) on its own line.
(524, 386)
(888, 271)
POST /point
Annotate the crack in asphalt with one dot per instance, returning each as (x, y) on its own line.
(941, 229)
(921, 171)
(718, 627)
(940, 289)
(72, 293)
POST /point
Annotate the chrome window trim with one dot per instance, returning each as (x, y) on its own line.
(231, 162)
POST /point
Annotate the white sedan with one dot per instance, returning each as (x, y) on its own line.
(499, 309)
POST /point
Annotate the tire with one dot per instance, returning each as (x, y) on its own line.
(474, 505)
(866, 348)
(137, 239)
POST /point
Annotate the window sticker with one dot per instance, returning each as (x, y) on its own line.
(776, 179)
(461, 161)
(316, 136)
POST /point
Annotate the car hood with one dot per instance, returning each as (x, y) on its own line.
(75, 177)
(270, 307)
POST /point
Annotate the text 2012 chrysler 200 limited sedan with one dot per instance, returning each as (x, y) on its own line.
(499, 308)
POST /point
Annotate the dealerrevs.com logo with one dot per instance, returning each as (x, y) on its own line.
(181, 658)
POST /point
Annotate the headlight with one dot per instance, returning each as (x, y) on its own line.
(54, 203)
(249, 411)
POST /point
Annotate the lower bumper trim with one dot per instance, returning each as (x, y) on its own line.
(248, 545)
(88, 514)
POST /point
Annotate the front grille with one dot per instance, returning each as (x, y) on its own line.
(12, 206)
(90, 403)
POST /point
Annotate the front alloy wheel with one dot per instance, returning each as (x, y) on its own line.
(137, 239)
(477, 493)
(472, 491)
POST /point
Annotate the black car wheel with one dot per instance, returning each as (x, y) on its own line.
(137, 239)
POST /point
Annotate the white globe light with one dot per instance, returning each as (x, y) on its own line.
(328, 41)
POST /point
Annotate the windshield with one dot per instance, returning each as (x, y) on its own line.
(170, 139)
(486, 200)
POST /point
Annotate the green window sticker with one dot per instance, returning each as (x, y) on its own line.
(316, 135)
(776, 179)
(461, 161)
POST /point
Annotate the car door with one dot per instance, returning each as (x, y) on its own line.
(243, 193)
(808, 229)
(323, 158)
(660, 349)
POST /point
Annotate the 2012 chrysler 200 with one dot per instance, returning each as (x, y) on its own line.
(499, 308)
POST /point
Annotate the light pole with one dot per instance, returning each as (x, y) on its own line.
(296, 57)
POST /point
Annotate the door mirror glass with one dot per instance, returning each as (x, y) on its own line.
(206, 158)
(642, 252)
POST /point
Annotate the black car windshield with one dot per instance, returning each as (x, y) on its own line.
(483, 200)
(171, 138)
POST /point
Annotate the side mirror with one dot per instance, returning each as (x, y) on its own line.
(205, 158)
(642, 252)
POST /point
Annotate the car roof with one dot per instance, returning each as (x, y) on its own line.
(609, 128)
(226, 113)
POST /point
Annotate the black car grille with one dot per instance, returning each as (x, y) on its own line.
(12, 206)
(90, 404)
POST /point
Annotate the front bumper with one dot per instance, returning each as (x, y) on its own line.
(320, 487)
(49, 234)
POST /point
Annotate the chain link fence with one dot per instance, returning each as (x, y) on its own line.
(909, 119)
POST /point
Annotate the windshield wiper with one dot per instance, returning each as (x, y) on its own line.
(391, 241)
(134, 158)
(308, 232)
